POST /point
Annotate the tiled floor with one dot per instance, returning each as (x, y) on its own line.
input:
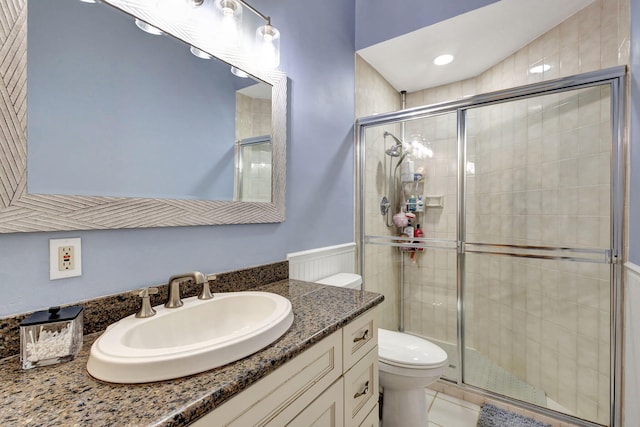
(447, 411)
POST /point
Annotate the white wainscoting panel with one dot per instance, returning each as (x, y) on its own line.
(316, 264)
(631, 383)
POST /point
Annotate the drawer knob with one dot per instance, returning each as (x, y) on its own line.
(364, 391)
(365, 336)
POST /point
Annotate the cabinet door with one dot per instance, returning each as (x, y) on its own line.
(278, 397)
(325, 411)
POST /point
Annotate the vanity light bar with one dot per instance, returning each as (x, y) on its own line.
(267, 36)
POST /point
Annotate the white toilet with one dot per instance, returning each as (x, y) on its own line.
(406, 364)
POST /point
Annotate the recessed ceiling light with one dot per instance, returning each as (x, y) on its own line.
(538, 69)
(443, 59)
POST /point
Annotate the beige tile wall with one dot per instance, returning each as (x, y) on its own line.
(253, 116)
(539, 184)
(374, 95)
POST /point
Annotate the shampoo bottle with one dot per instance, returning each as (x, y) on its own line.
(412, 203)
(418, 233)
(408, 230)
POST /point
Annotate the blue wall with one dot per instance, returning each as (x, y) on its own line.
(317, 55)
(634, 190)
(377, 21)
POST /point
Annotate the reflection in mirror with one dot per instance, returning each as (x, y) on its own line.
(253, 167)
(98, 125)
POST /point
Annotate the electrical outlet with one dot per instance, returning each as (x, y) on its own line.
(65, 258)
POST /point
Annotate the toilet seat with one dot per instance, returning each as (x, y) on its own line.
(408, 351)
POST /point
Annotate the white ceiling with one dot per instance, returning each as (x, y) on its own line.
(478, 39)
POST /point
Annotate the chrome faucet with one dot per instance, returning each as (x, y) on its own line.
(174, 300)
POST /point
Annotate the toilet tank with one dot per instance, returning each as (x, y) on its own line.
(343, 280)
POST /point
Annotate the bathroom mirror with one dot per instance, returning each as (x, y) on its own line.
(22, 209)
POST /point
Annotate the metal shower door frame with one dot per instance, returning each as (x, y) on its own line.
(616, 78)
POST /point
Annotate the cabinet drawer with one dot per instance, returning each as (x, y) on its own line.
(326, 411)
(373, 419)
(359, 337)
(361, 388)
(278, 397)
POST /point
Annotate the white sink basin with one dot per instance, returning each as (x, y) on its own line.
(196, 337)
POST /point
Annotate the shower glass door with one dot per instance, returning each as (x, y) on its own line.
(418, 276)
(537, 276)
(518, 275)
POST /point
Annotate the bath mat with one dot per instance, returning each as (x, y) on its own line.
(492, 416)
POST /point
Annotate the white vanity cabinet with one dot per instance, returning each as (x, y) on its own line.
(334, 384)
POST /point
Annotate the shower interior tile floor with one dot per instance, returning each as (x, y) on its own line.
(485, 374)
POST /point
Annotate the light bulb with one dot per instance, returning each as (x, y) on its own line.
(229, 7)
(228, 31)
(268, 46)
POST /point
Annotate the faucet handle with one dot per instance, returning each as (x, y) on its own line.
(145, 310)
(206, 291)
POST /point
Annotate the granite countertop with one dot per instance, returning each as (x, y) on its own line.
(65, 394)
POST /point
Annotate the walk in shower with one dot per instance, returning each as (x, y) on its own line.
(517, 276)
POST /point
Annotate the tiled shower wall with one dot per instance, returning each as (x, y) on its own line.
(375, 95)
(253, 116)
(544, 191)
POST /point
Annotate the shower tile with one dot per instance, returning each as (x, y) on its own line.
(589, 19)
(567, 343)
(551, 41)
(589, 294)
(587, 352)
(550, 195)
(589, 137)
(534, 228)
(589, 108)
(586, 407)
(550, 232)
(534, 202)
(589, 200)
(603, 162)
(569, 59)
(588, 231)
(534, 177)
(568, 173)
(588, 321)
(567, 372)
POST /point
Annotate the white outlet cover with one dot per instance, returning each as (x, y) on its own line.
(54, 272)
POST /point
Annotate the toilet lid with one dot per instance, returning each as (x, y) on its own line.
(404, 350)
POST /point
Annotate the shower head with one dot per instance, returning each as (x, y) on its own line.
(395, 150)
